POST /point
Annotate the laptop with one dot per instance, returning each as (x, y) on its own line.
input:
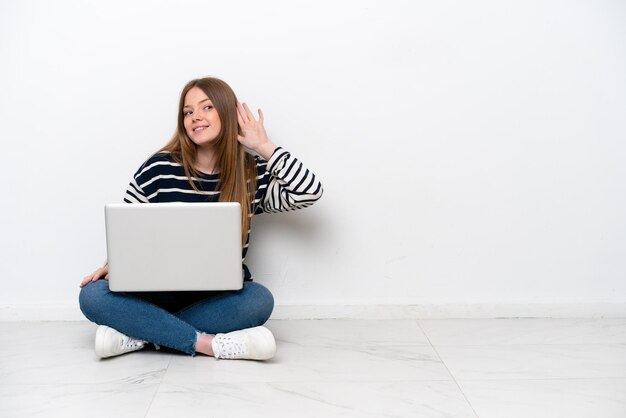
(174, 246)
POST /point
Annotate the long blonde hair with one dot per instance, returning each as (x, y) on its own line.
(237, 168)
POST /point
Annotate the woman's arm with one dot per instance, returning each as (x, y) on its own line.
(291, 186)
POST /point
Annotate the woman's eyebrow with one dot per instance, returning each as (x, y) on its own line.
(201, 101)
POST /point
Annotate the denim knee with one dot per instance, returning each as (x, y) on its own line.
(90, 298)
(264, 302)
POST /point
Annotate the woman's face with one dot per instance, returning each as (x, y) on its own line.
(200, 118)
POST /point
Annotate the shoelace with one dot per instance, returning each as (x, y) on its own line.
(230, 347)
(131, 343)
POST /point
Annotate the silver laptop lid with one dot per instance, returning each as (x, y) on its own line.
(174, 246)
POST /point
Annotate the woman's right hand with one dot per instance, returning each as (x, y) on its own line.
(99, 273)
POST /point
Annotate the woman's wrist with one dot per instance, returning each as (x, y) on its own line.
(266, 150)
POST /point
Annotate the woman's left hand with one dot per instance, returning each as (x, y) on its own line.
(253, 135)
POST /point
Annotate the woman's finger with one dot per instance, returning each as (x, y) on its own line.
(249, 112)
(239, 118)
(97, 274)
(86, 280)
(242, 112)
(93, 277)
(260, 115)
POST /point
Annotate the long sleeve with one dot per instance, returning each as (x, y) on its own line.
(291, 186)
(134, 193)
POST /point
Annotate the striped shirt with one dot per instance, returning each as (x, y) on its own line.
(283, 184)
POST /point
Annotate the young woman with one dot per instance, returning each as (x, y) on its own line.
(205, 161)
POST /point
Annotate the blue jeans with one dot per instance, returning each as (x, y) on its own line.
(174, 319)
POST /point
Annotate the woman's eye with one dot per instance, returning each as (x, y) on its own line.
(187, 113)
(208, 107)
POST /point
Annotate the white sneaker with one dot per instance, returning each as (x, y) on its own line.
(251, 344)
(110, 342)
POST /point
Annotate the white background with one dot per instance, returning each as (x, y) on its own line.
(471, 152)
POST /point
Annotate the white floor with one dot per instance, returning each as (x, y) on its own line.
(330, 368)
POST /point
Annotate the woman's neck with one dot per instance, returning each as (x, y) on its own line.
(205, 160)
